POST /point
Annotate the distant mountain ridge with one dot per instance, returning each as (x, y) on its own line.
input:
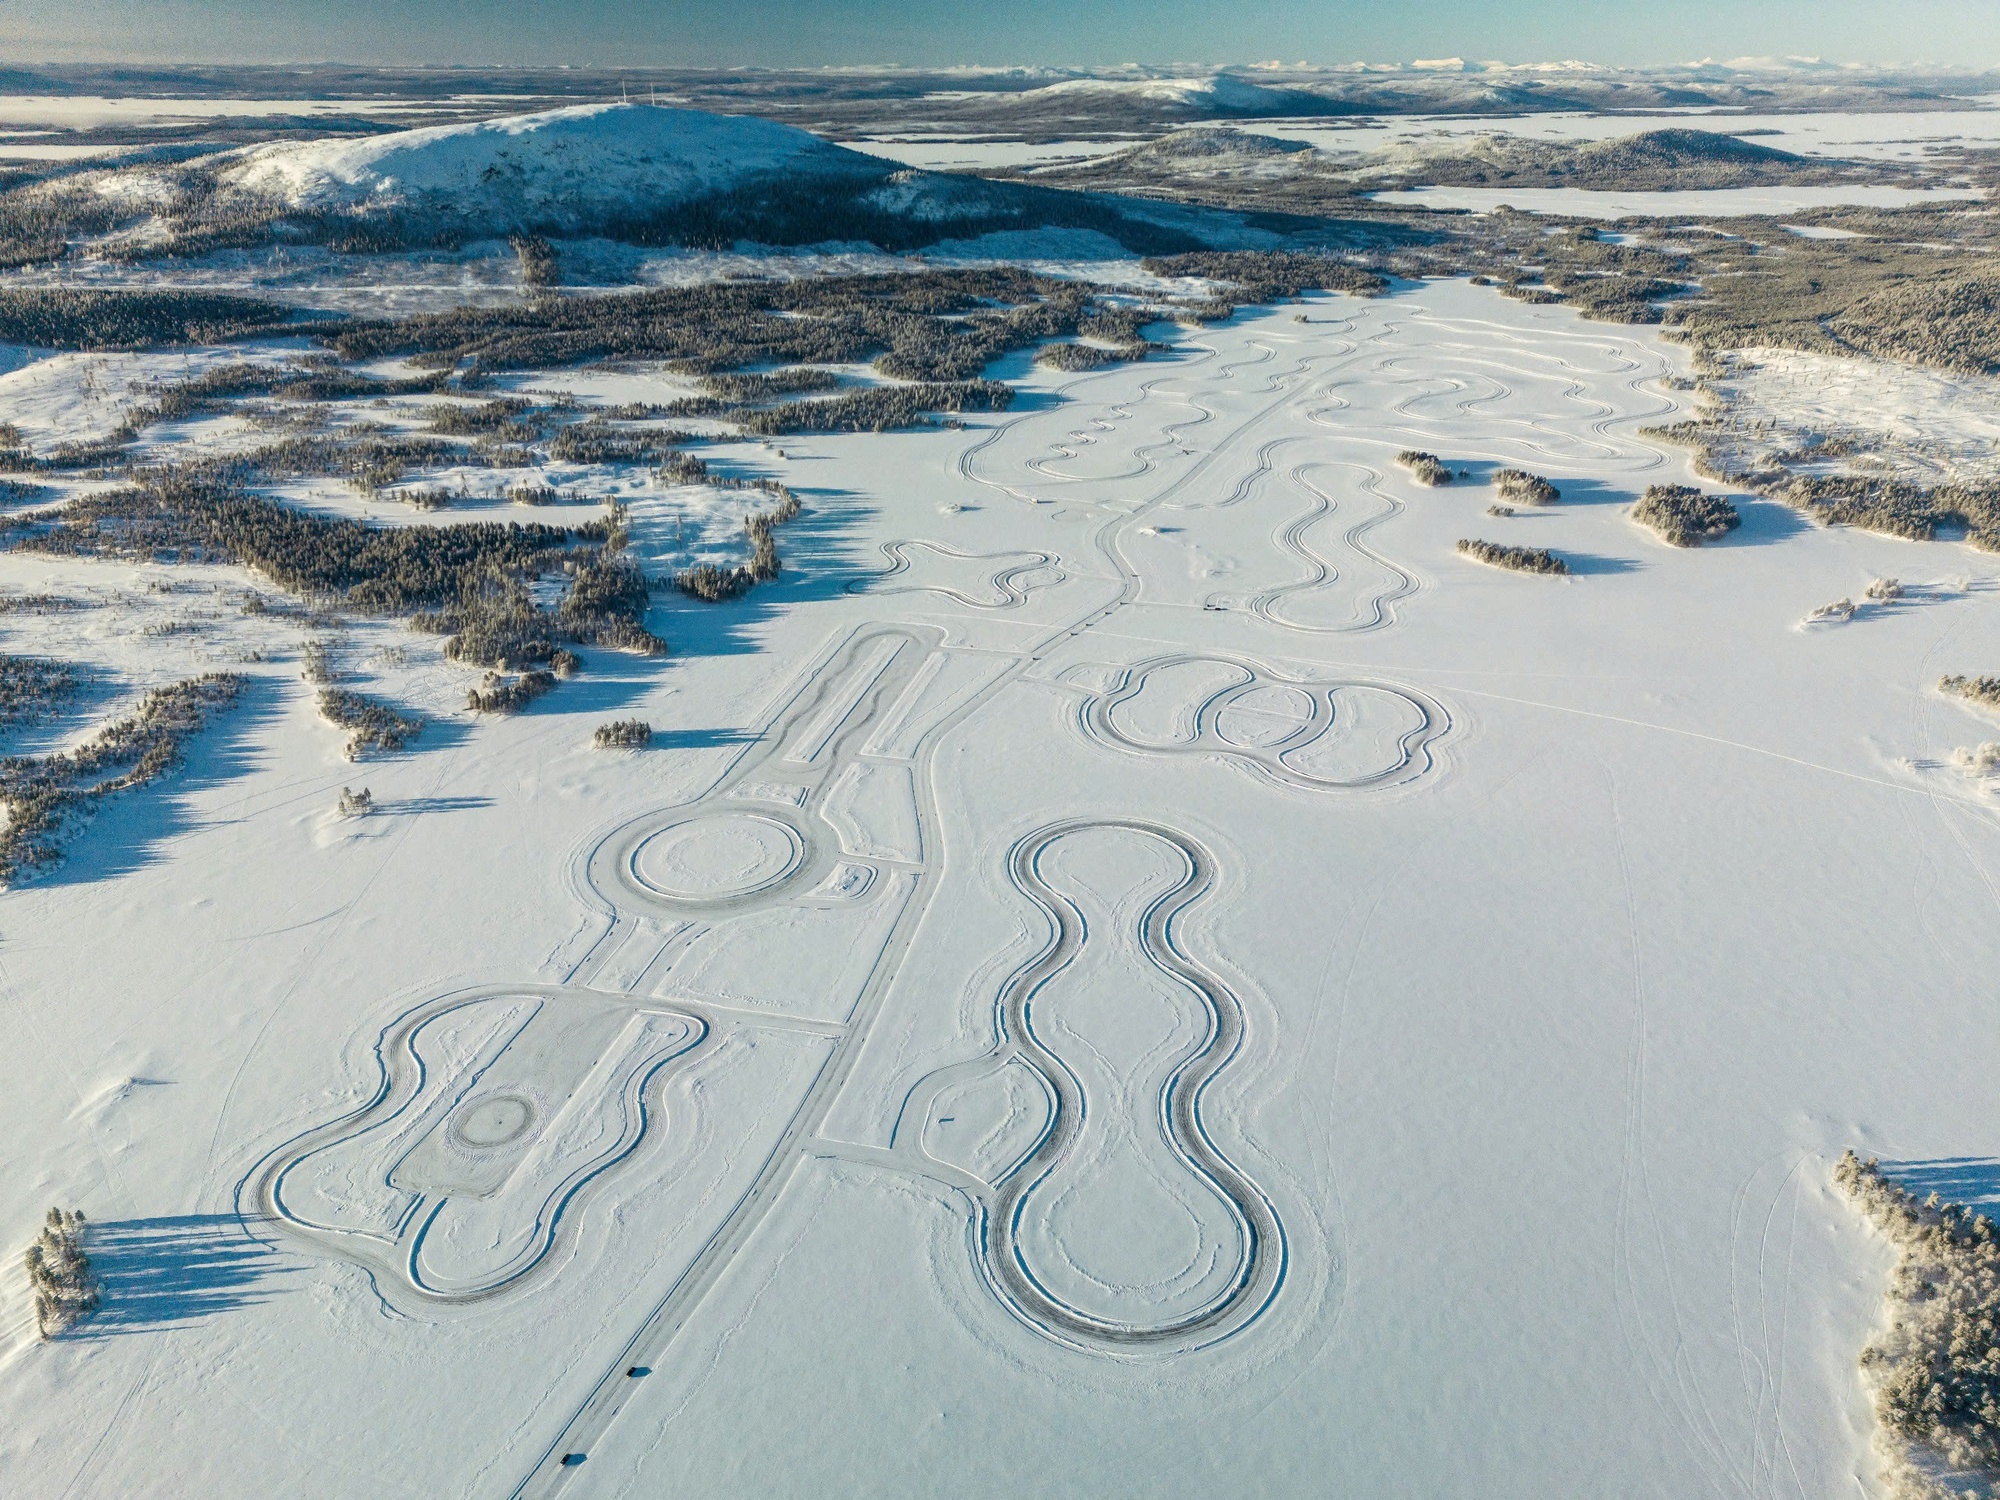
(638, 173)
(1675, 159)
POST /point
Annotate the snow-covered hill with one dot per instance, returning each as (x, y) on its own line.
(1211, 95)
(567, 166)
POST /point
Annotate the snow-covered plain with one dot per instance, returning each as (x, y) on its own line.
(1849, 135)
(1132, 969)
(1593, 203)
(947, 153)
(87, 111)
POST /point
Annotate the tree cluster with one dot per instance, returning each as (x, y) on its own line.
(372, 725)
(623, 734)
(501, 416)
(596, 441)
(1935, 1373)
(878, 408)
(1985, 691)
(378, 570)
(40, 791)
(177, 400)
(32, 688)
(931, 325)
(71, 318)
(1519, 487)
(538, 260)
(1425, 468)
(60, 1276)
(1519, 559)
(1684, 516)
(498, 694)
(1899, 508)
(744, 389)
(1270, 275)
(1070, 357)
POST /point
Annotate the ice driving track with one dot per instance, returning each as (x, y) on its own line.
(1260, 1239)
(1260, 1261)
(1227, 400)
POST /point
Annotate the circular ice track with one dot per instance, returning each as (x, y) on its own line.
(716, 857)
(713, 857)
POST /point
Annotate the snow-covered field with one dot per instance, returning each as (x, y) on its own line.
(1846, 134)
(1929, 426)
(952, 153)
(1132, 969)
(86, 111)
(1592, 203)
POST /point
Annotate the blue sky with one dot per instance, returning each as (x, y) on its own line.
(1055, 32)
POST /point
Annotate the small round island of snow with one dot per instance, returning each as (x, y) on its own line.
(576, 170)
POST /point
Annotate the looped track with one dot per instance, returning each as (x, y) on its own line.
(1259, 1248)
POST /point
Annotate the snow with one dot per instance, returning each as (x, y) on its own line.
(91, 111)
(1502, 960)
(570, 163)
(1856, 135)
(955, 153)
(52, 152)
(1590, 203)
(82, 398)
(1216, 91)
(1925, 426)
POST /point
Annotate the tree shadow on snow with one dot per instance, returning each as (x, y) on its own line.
(170, 1272)
(1575, 492)
(1589, 564)
(1971, 1180)
(124, 831)
(699, 739)
(819, 553)
(431, 804)
(1764, 521)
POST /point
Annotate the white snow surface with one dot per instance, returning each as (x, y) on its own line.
(563, 164)
(1925, 426)
(1216, 91)
(1721, 203)
(1844, 134)
(1449, 987)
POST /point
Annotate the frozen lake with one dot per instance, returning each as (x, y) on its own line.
(1885, 135)
(1132, 968)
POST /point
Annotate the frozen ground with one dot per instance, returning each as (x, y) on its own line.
(1132, 969)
